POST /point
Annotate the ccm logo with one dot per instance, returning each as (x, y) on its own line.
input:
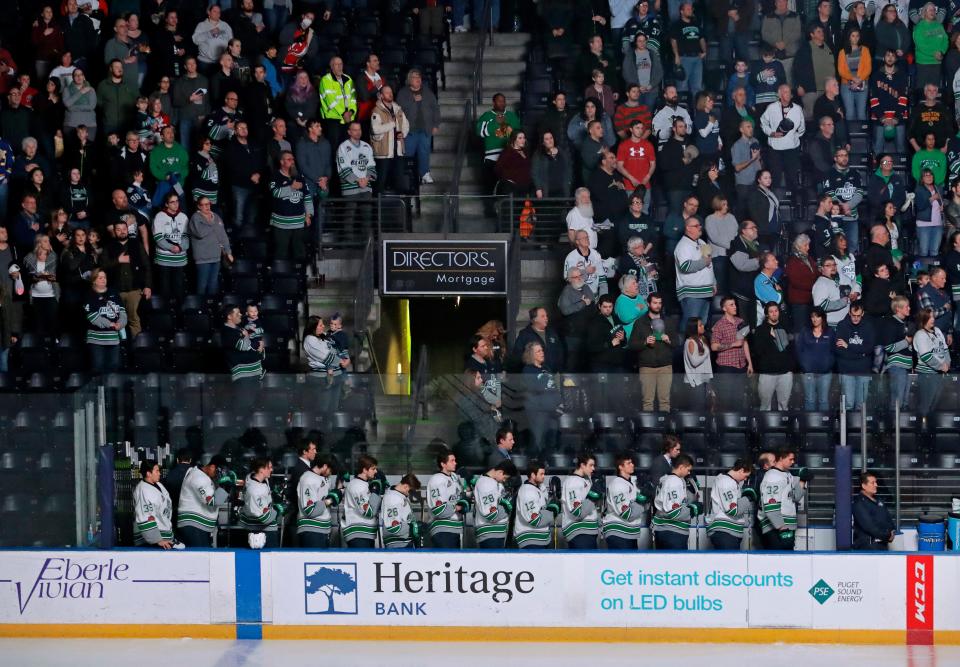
(920, 593)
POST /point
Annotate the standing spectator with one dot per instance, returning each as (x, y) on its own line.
(933, 361)
(813, 66)
(929, 211)
(642, 68)
(630, 304)
(106, 319)
(79, 34)
(16, 118)
(169, 165)
(873, 527)
(814, 346)
(768, 75)
(423, 111)
(635, 224)
(722, 229)
(856, 338)
(513, 168)
(763, 207)
(652, 337)
(930, 42)
(47, 39)
(602, 92)
(689, 49)
(539, 331)
(168, 44)
(221, 125)
(556, 119)
(128, 271)
(637, 160)
(696, 283)
(766, 286)
(26, 225)
(885, 185)
(854, 64)
(80, 101)
(663, 121)
(606, 338)
(934, 297)
(589, 261)
(676, 162)
(932, 158)
(338, 102)
(551, 169)
(744, 268)
(740, 78)
(575, 304)
(297, 39)
(358, 172)
(171, 240)
(734, 21)
(580, 217)
(75, 269)
(495, 128)
(745, 157)
(782, 31)
(697, 370)
(728, 339)
(40, 267)
(290, 213)
(211, 37)
(607, 193)
(245, 166)
(121, 48)
(205, 174)
(259, 105)
(896, 335)
(302, 99)
(784, 125)
(543, 404)
(243, 359)
(888, 103)
(930, 114)
(191, 99)
(389, 128)
(801, 273)
(630, 110)
(891, 33)
(314, 157)
(209, 244)
(827, 296)
(773, 359)
(846, 189)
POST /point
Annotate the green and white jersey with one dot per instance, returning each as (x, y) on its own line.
(533, 521)
(361, 510)
(490, 518)
(197, 507)
(313, 515)
(396, 520)
(258, 514)
(672, 506)
(152, 514)
(580, 515)
(443, 492)
(171, 240)
(623, 516)
(729, 511)
(779, 494)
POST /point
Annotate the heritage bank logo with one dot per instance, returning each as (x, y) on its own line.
(330, 588)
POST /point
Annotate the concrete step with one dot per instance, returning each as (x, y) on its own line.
(501, 54)
(465, 68)
(462, 40)
(490, 82)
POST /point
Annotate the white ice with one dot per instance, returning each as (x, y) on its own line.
(210, 653)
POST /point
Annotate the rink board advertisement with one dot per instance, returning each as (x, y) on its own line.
(116, 587)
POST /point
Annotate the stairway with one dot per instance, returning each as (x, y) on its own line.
(503, 69)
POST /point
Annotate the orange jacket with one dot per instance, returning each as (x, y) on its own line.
(863, 71)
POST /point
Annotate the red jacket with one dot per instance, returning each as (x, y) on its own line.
(800, 278)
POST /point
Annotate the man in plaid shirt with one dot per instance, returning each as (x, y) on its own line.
(728, 340)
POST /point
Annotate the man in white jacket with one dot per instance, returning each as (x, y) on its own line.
(783, 124)
(388, 129)
(696, 283)
(827, 296)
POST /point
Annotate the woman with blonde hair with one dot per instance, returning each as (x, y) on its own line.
(41, 268)
(496, 334)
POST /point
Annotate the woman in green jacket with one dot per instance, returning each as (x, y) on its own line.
(930, 40)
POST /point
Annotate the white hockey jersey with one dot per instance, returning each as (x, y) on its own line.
(197, 507)
(622, 516)
(258, 513)
(672, 505)
(396, 520)
(313, 515)
(580, 515)
(361, 510)
(490, 517)
(152, 514)
(779, 494)
(531, 526)
(443, 492)
(729, 511)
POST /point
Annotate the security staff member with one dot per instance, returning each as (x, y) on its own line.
(873, 527)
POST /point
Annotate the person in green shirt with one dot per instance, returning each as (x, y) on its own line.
(495, 127)
(930, 40)
(169, 163)
(932, 158)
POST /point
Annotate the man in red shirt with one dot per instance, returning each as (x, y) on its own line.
(629, 111)
(636, 161)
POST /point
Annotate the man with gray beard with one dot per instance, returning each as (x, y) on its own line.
(574, 303)
(580, 217)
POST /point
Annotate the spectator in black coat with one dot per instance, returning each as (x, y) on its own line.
(606, 342)
(873, 527)
(539, 331)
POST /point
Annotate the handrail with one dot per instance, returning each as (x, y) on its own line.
(366, 286)
(513, 288)
(451, 211)
(418, 398)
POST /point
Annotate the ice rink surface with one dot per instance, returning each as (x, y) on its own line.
(211, 653)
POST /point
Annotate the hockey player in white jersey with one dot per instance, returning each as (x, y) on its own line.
(493, 506)
(780, 492)
(624, 510)
(449, 503)
(260, 514)
(581, 494)
(732, 503)
(674, 506)
(362, 497)
(197, 509)
(152, 510)
(399, 526)
(316, 494)
(535, 510)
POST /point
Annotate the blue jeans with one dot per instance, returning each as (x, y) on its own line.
(693, 308)
(208, 278)
(459, 9)
(104, 358)
(852, 231)
(4, 199)
(275, 18)
(4, 360)
(816, 391)
(928, 240)
(899, 141)
(163, 188)
(694, 81)
(187, 127)
(649, 99)
(929, 386)
(855, 388)
(478, 11)
(721, 267)
(899, 389)
(854, 103)
(418, 145)
(735, 45)
(245, 206)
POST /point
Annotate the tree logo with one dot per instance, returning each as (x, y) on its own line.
(330, 588)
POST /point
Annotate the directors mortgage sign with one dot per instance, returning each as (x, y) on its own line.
(444, 267)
